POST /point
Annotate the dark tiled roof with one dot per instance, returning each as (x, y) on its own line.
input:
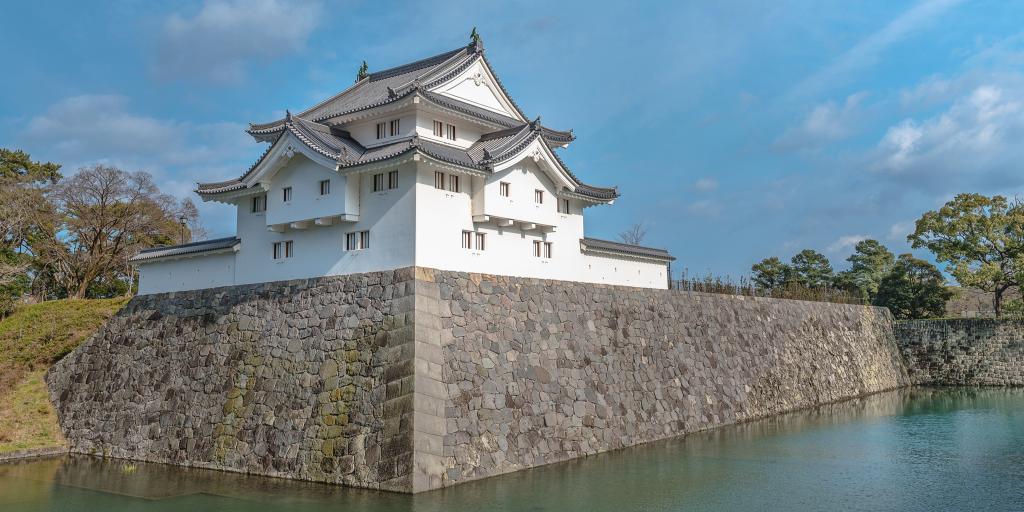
(621, 248)
(191, 248)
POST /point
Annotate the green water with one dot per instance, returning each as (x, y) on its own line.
(920, 449)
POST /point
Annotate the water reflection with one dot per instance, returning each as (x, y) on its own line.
(918, 449)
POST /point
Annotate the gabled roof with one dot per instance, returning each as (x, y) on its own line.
(217, 244)
(607, 246)
(391, 85)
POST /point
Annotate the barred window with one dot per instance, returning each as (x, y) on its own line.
(382, 130)
(395, 127)
(393, 179)
(325, 187)
(259, 203)
(378, 182)
(439, 180)
(282, 250)
(453, 183)
(357, 240)
(481, 240)
(438, 129)
(503, 188)
(563, 206)
(451, 132)
(467, 239)
(538, 196)
(286, 194)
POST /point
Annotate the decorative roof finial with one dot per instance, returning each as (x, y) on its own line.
(475, 41)
(415, 141)
(392, 93)
(535, 124)
(487, 155)
(287, 115)
(363, 72)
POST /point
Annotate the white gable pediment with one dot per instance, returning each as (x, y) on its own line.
(282, 151)
(540, 154)
(477, 86)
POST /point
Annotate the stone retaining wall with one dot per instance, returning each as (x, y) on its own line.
(418, 379)
(308, 379)
(543, 371)
(963, 352)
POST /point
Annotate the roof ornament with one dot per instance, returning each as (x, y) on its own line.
(535, 124)
(475, 42)
(364, 71)
(392, 94)
(287, 115)
(487, 155)
(478, 78)
(415, 141)
(415, 85)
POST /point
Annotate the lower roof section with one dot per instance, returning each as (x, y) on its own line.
(620, 249)
(206, 246)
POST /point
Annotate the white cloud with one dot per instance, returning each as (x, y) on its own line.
(219, 41)
(706, 185)
(845, 243)
(826, 122)
(978, 134)
(898, 232)
(90, 129)
(869, 50)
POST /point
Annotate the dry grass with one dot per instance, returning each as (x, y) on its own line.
(27, 419)
(31, 340)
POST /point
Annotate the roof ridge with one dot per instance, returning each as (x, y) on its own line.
(412, 66)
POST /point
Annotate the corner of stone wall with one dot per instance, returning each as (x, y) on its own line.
(429, 391)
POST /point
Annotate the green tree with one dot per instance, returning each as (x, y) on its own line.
(982, 240)
(770, 273)
(869, 263)
(810, 269)
(23, 206)
(913, 288)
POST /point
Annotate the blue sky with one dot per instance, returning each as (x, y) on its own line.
(735, 130)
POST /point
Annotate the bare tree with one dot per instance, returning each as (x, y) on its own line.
(634, 235)
(104, 216)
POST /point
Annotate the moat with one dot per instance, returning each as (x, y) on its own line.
(916, 449)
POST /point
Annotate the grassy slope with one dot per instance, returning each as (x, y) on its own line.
(32, 339)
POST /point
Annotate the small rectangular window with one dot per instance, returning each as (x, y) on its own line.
(395, 127)
(547, 249)
(357, 240)
(438, 129)
(467, 239)
(536, 248)
(378, 182)
(451, 132)
(288, 249)
(259, 204)
(277, 250)
(286, 194)
(382, 130)
(282, 250)
(481, 241)
(538, 196)
(393, 179)
(325, 187)
(563, 206)
(453, 183)
(503, 188)
(439, 180)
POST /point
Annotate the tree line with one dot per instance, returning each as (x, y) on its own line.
(72, 236)
(979, 238)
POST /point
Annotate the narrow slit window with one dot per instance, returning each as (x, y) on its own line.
(467, 239)
(453, 183)
(382, 130)
(395, 127)
(364, 239)
(536, 248)
(378, 182)
(451, 132)
(393, 179)
(547, 249)
(538, 196)
(438, 129)
(503, 188)
(325, 187)
(277, 250)
(288, 249)
(563, 206)
(439, 180)
(286, 194)
(481, 241)
(259, 204)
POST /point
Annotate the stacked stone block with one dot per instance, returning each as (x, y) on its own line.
(963, 352)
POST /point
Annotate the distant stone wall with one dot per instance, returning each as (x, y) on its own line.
(417, 379)
(543, 371)
(308, 379)
(963, 352)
